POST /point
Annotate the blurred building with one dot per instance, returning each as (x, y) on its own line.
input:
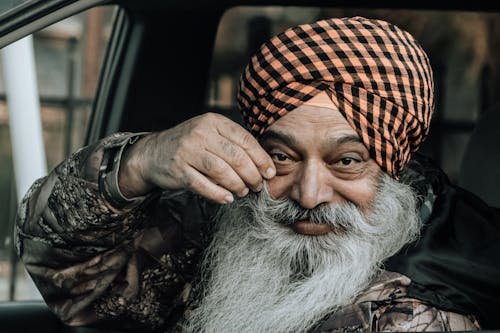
(68, 55)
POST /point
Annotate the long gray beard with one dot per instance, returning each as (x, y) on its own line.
(260, 276)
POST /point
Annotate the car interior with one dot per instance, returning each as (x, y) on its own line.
(159, 66)
(482, 153)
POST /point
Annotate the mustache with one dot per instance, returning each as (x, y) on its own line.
(286, 211)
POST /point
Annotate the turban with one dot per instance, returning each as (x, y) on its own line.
(376, 74)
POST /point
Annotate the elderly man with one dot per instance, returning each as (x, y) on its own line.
(314, 218)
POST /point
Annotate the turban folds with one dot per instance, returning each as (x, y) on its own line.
(375, 73)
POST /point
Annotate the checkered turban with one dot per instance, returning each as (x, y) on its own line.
(375, 73)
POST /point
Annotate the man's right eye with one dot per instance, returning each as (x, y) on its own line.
(279, 157)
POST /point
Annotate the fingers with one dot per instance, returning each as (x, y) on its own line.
(238, 162)
(219, 172)
(203, 174)
(242, 138)
(210, 155)
(200, 184)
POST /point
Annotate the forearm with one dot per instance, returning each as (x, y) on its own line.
(69, 203)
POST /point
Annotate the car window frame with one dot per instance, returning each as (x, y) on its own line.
(29, 17)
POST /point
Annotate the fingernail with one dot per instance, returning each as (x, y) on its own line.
(270, 173)
(259, 187)
(228, 198)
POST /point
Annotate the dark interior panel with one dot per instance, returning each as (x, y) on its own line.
(170, 78)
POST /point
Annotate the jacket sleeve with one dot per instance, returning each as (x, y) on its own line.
(98, 265)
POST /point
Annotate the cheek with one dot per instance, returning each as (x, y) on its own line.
(361, 194)
(279, 186)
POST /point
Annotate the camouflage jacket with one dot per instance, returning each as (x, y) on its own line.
(133, 266)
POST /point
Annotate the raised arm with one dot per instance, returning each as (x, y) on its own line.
(107, 237)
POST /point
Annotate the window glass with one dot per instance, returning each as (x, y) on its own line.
(68, 56)
(462, 46)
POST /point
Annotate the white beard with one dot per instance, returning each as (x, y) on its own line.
(260, 276)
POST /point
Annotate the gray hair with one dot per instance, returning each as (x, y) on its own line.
(260, 276)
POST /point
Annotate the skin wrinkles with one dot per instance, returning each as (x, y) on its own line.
(319, 159)
(345, 139)
(207, 163)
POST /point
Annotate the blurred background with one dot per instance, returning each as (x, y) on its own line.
(463, 47)
(68, 56)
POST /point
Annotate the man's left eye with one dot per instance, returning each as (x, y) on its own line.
(347, 161)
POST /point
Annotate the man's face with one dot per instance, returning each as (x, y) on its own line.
(319, 159)
(312, 239)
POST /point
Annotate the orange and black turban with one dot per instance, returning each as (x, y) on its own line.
(375, 73)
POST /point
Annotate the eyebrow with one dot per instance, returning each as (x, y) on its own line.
(287, 139)
(346, 139)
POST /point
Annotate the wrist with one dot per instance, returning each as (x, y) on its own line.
(131, 179)
(110, 169)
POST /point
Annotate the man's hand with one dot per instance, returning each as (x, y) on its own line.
(209, 154)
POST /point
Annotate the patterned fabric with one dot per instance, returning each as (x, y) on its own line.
(375, 73)
(384, 306)
(414, 175)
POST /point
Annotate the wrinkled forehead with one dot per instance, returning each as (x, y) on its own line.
(317, 122)
(319, 112)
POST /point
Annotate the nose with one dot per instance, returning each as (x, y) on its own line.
(313, 185)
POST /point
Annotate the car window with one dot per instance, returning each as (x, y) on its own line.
(462, 47)
(68, 58)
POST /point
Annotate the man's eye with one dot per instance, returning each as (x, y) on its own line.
(346, 161)
(279, 157)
